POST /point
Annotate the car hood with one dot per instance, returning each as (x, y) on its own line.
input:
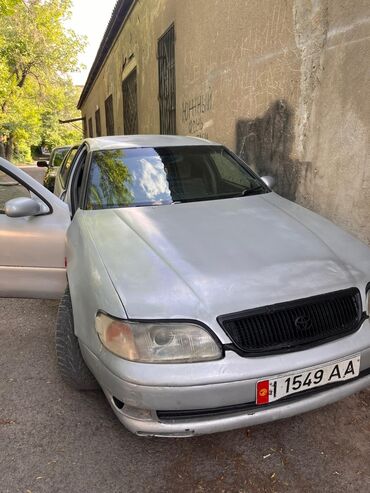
(203, 259)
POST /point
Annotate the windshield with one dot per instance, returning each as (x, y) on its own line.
(166, 175)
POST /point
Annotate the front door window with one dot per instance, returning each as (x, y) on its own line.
(10, 189)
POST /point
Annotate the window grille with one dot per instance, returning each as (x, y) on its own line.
(97, 123)
(109, 118)
(91, 134)
(84, 127)
(129, 96)
(167, 82)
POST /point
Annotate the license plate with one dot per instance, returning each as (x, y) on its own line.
(276, 388)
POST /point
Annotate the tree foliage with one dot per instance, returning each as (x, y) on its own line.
(37, 52)
(111, 186)
(7, 6)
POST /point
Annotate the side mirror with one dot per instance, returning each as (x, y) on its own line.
(42, 164)
(269, 181)
(22, 207)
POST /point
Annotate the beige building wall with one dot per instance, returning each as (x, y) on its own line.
(284, 83)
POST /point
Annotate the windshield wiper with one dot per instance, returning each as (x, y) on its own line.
(243, 193)
(252, 191)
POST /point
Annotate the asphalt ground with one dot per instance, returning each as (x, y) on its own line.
(55, 439)
(34, 171)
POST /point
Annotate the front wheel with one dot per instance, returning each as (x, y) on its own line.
(69, 358)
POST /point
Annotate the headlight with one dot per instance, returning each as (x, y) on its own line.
(150, 342)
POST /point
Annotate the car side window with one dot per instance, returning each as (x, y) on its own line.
(66, 166)
(10, 189)
(227, 168)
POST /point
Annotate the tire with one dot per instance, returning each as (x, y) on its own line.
(69, 358)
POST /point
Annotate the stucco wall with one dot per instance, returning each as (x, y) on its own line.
(284, 83)
(337, 141)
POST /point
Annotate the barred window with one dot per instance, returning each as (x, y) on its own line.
(91, 133)
(129, 96)
(167, 82)
(97, 123)
(109, 118)
(84, 127)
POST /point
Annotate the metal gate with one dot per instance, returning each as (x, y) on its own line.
(129, 96)
(167, 82)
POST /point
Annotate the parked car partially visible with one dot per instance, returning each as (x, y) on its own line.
(56, 158)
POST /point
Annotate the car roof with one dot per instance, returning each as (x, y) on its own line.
(127, 141)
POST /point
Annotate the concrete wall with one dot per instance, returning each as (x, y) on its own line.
(286, 85)
(336, 137)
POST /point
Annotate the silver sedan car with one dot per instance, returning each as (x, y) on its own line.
(197, 298)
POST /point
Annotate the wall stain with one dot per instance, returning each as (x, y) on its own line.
(311, 24)
(265, 143)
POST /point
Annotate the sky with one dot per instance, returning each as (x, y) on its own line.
(89, 18)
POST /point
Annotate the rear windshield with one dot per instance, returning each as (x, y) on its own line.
(166, 175)
(67, 164)
(57, 156)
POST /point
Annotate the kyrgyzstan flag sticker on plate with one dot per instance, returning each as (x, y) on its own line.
(276, 388)
(263, 390)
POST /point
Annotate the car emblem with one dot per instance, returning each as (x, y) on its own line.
(303, 323)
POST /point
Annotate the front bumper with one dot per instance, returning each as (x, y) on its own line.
(200, 426)
(146, 390)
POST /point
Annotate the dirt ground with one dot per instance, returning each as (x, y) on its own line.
(54, 439)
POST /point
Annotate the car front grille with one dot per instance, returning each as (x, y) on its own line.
(294, 325)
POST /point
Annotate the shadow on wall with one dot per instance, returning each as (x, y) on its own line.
(265, 143)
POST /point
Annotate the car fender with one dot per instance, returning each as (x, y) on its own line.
(90, 285)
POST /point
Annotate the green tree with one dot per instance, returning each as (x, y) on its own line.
(37, 52)
(7, 6)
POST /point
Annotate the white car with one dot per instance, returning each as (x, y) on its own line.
(197, 298)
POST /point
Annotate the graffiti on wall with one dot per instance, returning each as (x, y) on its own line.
(193, 112)
(265, 143)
